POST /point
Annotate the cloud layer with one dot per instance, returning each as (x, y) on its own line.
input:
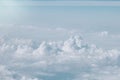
(72, 59)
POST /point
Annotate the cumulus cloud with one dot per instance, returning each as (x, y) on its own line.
(71, 59)
(5, 74)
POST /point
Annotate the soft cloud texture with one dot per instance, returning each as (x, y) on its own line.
(104, 33)
(72, 59)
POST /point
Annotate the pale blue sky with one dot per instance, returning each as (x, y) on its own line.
(85, 19)
(92, 18)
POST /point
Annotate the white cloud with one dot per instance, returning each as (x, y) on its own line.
(104, 33)
(5, 74)
(72, 58)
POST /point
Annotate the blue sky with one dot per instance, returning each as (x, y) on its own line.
(62, 16)
(84, 18)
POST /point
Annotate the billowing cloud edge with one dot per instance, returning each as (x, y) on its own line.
(22, 59)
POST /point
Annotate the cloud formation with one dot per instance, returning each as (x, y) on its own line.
(72, 59)
(104, 33)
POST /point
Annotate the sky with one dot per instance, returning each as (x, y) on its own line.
(85, 17)
(43, 39)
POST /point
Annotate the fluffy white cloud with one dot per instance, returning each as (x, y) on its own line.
(71, 59)
(5, 74)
